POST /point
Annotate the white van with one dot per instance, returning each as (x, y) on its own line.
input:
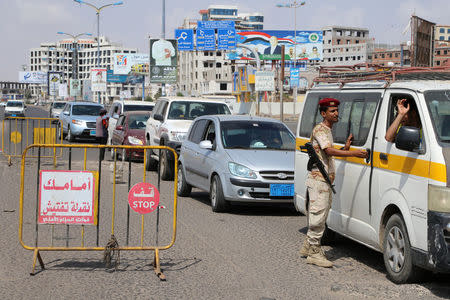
(119, 107)
(397, 201)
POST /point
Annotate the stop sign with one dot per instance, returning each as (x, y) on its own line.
(143, 198)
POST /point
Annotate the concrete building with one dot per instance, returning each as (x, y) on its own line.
(346, 46)
(442, 32)
(74, 59)
(391, 55)
(209, 72)
(14, 90)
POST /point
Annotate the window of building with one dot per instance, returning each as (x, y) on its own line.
(376, 56)
(205, 64)
(348, 42)
(382, 55)
(445, 52)
(438, 63)
(441, 30)
(448, 30)
(357, 42)
(223, 86)
(338, 41)
(438, 52)
(218, 53)
(329, 41)
(441, 38)
(341, 58)
(390, 55)
(205, 53)
(218, 65)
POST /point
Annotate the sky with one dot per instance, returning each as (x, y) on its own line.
(26, 24)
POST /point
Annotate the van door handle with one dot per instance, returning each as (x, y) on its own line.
(368, 156)
(383, 156)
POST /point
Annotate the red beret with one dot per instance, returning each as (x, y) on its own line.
(326, 102)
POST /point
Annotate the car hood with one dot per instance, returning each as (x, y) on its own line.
(14, 108)
(139, 133)
(259, 160)
(179, 125)
(85, 118)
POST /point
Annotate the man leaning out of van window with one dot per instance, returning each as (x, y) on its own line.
(407, 115)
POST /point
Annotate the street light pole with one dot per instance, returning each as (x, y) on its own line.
(97, 10)
(295, 4)
(74, 53)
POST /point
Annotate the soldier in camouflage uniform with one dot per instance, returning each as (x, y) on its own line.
(318, 189)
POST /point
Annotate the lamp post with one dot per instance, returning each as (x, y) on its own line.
(98, 10)
(75, 49)
(294, 4)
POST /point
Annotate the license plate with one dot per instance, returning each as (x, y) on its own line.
(13, 115)
(282, 189)
(92, 132)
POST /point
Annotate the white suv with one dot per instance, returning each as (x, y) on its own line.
(119, 107)
(169, 123)
(15, 108)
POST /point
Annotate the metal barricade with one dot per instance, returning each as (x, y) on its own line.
(19, 132)
(38, 226)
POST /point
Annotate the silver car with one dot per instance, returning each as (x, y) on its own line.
(238, 158)
(56, 108)
(78, 119)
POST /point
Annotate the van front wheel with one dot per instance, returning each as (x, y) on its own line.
(397, 252)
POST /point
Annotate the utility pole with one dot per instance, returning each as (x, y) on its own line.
(281, 85)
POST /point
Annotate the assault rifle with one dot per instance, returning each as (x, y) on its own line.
(314, 161)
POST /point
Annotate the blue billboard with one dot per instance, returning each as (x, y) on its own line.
(226, 39)
(300, 45)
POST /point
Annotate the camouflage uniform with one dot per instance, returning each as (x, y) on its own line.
(318, 189)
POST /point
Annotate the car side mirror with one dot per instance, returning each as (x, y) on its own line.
(66, 113)
(158, 117)
(119, 127)
(408, 139)
(206, 145)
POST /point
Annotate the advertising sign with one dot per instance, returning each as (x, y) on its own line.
(306, 45)
(54, 79)
(226, 39)
(215, 24)
(163, 61)
(98, 80)
(185, 39)
(62, 92)
(295, 76)
(33, 77)
(67, 197)
(118, 78)
(206, 39)
(143, 198)
(264, 81)
(75, 87)
(126, 63)
(87, 90)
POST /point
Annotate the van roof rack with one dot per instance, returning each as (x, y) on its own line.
(374, 72)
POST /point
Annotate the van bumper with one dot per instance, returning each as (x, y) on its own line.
(438, 257)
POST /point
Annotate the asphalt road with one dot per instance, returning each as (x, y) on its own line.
(249, 253)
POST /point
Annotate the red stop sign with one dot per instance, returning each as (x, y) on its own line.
(143, 198)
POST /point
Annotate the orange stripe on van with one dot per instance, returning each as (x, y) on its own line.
(397, 163)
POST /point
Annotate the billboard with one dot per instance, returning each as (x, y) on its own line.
(300, 45)
(118, 78)
(163, 61)
(33, 77)
(126, 63)
(98, 80)
(53, 81)
(422, 32)
(87, 90)
(75, 87)
(62, 90)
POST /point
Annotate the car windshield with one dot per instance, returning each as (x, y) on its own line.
(183, 110)
(58, 104)
(256, 135)
(14, 104)
(86, 110)
(137, 121)
(438, 103)
(136, 107)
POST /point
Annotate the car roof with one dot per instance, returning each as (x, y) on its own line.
(134, 102)
(84, 103)
(191, 99)
(137, 112)
(222, 118)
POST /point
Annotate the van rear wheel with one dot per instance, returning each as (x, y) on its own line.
(397, 252)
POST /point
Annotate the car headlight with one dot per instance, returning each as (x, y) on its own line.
(438, 198)
(135, 141)
(241, 171)
(77, 122)
(177, 135)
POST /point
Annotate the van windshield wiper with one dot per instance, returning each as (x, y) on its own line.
(237, 147)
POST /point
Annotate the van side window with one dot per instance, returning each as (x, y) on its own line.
(356, 114)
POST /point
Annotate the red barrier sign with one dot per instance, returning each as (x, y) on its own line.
(143, 198)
